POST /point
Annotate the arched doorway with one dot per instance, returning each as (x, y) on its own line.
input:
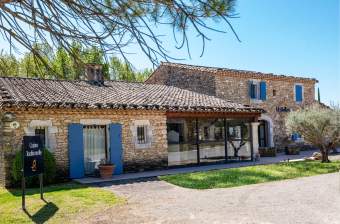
(265, 132)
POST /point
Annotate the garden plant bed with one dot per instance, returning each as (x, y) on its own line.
(234, 177)
(64, 203)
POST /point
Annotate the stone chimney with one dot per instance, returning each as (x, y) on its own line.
(94, 74)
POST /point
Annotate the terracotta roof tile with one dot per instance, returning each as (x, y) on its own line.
(29, 92)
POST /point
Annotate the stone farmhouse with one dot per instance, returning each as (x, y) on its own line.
(182, 115)
(276, 94)
(136, 126)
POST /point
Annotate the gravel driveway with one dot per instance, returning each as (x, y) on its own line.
(305, 200)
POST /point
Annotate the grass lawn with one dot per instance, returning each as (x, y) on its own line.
(251, 175)
(65, 203)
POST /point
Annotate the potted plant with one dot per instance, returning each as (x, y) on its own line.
(292, 150)
(106, 169)
(267, 151)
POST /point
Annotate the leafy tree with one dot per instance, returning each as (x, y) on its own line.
(124, 71)
(112, 25)
(60, 64)
(78, 67)
(38, 65)
(319, 126)
(9, 65)
(141, 76)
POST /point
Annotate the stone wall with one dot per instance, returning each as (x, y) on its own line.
(234, 86)
(237, 89)
(2, 161)
(194, 80)
(7, 153)
(155, 155)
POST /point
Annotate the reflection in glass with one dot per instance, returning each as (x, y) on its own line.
(211, 140)
(183, 143)
(239, 147)
(94, 147)
(182, 148)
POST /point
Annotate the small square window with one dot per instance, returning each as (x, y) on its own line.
(41, 132)
(274, 92)
(142, 134)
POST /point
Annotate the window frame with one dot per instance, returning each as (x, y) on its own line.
(107, 148)
(147, 132)
(45, 128)
(144, 131)
(50, 132)
(255, 90)
(257, 84)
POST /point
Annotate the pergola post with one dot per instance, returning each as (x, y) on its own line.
(197, 142)
(254, 139)
(225, 124)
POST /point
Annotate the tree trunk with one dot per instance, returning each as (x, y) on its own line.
(327, 153)
(324, 153)
(235, 153)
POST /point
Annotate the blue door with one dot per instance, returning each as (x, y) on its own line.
(76, 150)
(116, 149)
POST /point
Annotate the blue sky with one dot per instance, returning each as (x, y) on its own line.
(292, 37)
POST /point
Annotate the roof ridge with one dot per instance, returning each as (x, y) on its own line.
(39, 79)
(85, 81)
(189, 66)
(70, 80)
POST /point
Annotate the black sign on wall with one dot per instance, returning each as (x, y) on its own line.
(283, 109)
(33, 161)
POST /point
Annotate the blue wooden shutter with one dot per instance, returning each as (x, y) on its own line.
(263, 90)
(293, 137)
(252, 90)
(298, 93)
(76, 150)
(116, 148)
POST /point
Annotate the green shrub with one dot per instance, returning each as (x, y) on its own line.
(49, 170)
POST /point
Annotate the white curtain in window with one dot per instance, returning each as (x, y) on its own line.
(94, 147)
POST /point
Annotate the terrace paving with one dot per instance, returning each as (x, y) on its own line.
(149, 174)
(313, 199)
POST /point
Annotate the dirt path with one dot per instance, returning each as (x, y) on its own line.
(305, 200)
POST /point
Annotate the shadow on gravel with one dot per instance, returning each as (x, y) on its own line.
(124, 182)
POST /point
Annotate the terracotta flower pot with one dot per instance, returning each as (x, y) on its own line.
(106, 170)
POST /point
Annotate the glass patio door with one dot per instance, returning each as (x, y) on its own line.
(262, 134)
(211, 140)
(95, 147)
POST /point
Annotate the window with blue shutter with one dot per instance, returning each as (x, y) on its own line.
(252, 90)
(76, 150)
(116, 148)
(298, 93)
(263, 90)
(296, 136)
